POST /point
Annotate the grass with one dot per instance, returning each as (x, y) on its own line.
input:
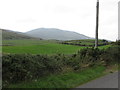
(24, 42)
(104, 47)
(66, 80)
(39, 47)
(42, 49)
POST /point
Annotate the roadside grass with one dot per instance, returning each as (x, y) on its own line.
(64, 80)
(114, 67)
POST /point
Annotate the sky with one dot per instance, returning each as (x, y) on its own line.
(71, 15)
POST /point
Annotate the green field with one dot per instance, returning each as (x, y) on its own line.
(39, 47)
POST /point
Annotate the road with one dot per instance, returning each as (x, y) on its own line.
(108, 81)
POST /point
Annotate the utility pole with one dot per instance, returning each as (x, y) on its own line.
(97, 24)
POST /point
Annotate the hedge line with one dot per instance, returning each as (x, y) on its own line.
(26, 67)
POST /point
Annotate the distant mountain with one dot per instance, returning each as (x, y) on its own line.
(57, 34)
(8, 34)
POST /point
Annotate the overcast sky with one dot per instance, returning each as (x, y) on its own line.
(72, 15)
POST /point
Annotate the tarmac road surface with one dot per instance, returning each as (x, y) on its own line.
(108, 81)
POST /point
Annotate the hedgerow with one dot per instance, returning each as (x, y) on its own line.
(26, 67)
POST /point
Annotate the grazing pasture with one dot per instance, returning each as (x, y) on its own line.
(39, 47)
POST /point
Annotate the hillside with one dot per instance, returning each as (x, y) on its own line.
(7, 35)
(52, 33)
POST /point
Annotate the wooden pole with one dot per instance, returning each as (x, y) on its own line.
(97, 24)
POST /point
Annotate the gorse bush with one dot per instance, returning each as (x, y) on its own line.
(27, 67)
(21, 67)
(111, 55)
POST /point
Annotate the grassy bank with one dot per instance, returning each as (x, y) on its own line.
(68, 80)
(65, 80)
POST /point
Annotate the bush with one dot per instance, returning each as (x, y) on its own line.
(21, 67)
(111, 55)
(24, 67)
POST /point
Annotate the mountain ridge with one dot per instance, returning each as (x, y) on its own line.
(54, 33)
(9, 34)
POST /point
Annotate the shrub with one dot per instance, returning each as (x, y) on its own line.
(24, 67)
(111, 55)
